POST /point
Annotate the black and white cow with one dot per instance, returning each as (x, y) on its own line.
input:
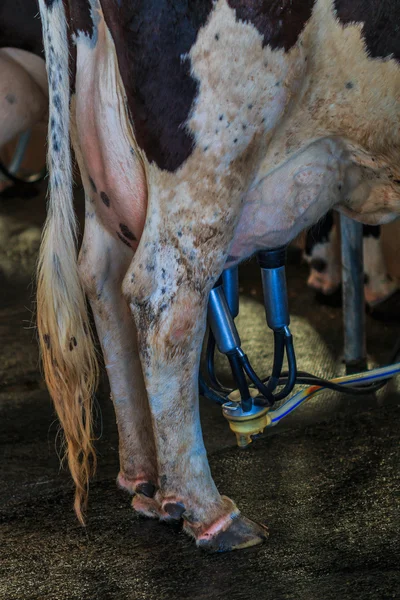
(204, 131)
(322, 253)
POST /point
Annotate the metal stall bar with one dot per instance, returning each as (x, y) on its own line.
(355, 354)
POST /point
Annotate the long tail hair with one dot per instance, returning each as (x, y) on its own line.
(66, 341)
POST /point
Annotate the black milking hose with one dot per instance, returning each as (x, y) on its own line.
(252, 375)
(209, 393)
(210, 353)
(291, 358)
(279, 353)
(237, 370)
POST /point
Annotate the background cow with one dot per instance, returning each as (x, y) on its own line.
(322, 253)
(23, 81)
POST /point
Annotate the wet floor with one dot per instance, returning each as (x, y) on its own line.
(326, 482)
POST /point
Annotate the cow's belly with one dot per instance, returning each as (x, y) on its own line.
(291, 197)
(117, 183)
(295, 194)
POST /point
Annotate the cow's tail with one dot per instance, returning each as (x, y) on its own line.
(67, 347)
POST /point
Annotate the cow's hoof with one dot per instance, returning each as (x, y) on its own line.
(170, 513)
(147, 507)
(333, 299)
(387, 310)
(173, 511)
(136, 486)
(125, 484)
(146, 488)
(240, 534)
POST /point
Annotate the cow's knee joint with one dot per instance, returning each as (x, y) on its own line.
(137, 289)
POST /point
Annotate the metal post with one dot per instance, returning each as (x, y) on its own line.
(353, 295)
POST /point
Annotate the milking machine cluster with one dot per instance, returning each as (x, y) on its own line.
(250, 408)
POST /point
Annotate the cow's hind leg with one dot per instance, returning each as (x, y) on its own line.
(103, 264)
(378, 285)
(167, 288)
(322, 253)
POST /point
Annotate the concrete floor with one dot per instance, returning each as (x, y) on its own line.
(326, 482)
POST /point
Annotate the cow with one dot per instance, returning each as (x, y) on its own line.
(23, 81)
(322, 253)
(204, 131)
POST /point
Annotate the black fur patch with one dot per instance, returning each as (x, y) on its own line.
(80, 17)
(121, 237)
(280, 23)
(319, 233)
(105, 199)
(319, 265)
(126, 232)
(151, 37)
(381, 20)
(93, 185)
(372, 231)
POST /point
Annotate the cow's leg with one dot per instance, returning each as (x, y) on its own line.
(167, 288)
(378, 284)
(322, 253)
(103, 263)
